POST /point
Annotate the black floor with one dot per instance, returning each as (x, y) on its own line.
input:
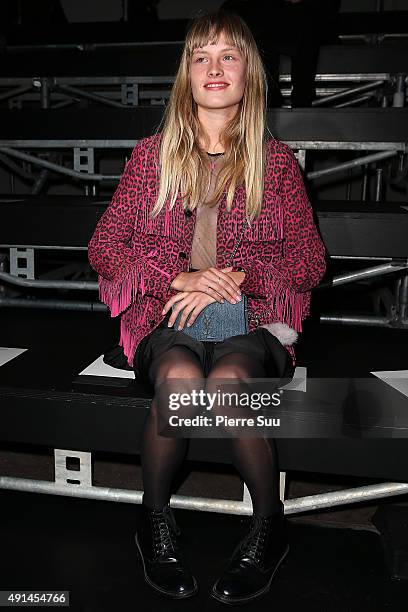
(87, 548)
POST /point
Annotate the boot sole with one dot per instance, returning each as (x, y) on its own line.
(244, 600)
(157, 588)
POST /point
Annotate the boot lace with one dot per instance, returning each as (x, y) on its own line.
(253, 545)
(165, 530)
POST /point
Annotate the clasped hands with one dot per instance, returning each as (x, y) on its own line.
(200, 288)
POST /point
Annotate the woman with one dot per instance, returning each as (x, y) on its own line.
(158, 256)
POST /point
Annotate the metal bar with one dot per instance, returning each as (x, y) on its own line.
(357, 320)
(129, 144)
(14, 93)
(40, 181)
(90, 96)
(203, 504)
(344, 77)
(354, 101)
(348, 92)
(364, 185)
(359, 161)
(347, 146)
(91, 46)
(55, 167)
(351, 277)
(43, 247)
(114, 80)
(52, 304)
(403, 298)
(68, 144)
(398, 100)
(352, 257)
(345, 496)
(63, 103)
(378, 184)
(41, 284)
(16, 168)
(45, 93)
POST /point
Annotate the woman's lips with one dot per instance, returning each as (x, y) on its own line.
(215, 87)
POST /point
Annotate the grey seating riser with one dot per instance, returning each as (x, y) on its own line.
(80, 421)
(348, 229)
(162, 61)
(343, 125)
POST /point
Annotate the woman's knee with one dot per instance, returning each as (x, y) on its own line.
(177, 362)
(235, 366)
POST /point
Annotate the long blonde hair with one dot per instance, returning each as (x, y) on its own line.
(183, 164)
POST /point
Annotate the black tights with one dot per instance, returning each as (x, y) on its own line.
(255, 458)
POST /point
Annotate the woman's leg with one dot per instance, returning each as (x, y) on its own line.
(256, 459)
(251, 567)
(161, 456)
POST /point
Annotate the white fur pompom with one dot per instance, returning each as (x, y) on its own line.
(285, 334)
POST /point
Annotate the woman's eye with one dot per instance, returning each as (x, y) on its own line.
(200, 58)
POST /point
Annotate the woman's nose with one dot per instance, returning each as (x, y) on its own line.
(215, 72)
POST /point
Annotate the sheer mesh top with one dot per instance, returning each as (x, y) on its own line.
(203, 253)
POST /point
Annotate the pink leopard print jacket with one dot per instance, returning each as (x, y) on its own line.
(137, 258)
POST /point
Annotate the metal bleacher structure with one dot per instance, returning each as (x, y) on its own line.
(60, 117)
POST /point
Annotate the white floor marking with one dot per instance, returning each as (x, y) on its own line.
(397, 379)
(7, 354)
(99, 368)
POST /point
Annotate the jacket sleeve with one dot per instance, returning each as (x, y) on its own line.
(122, 270)
(302, 264)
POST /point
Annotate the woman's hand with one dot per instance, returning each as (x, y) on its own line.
(191, 303)
(211, 281)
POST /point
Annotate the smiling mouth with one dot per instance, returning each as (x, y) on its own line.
(215, 87)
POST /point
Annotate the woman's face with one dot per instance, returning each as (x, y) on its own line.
(213, 64)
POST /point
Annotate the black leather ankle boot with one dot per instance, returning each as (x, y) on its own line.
(158, 543)
(253, 563)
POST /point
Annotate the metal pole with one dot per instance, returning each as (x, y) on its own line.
(364, 186)
(203, 504)
(356, 320)
(359, 161)
(44, 284)
(46, 164)
(347, 92)
(45, 93)
(52, 304)
(348, 189)
(355, 101)
(378, 184)
(13, 93)
(68, 89)
(398, 100)
(403, 298)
